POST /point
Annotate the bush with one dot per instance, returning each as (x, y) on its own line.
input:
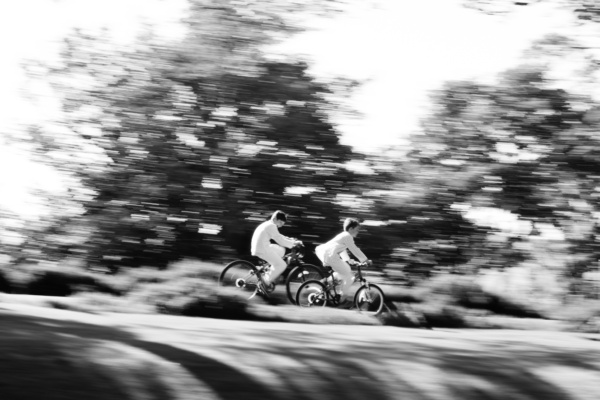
(442, 315)
(134, 277)
(112, 284)
(583, 314)
(403, 294)
(51, 283)
(211, 305)
(466, 292)
(404, 316)
(50, 280)
(316, 316)
(195, 269)
(100, 302)
(512, 307)
(192, 297)
(188, 297)
(186, 288)
(5, 285)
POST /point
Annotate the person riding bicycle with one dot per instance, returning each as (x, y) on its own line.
(272, 253)
(334, 254)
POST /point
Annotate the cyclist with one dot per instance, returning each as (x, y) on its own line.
(334, 253)
(272, 252)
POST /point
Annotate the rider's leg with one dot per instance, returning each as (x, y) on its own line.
(274, 256)
(344, 274)
(320, 252)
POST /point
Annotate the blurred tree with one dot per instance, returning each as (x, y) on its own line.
(585, 10)
(568, 168)
(184, 149)
(521, 146)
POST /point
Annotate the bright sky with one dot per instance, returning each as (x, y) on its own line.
(33, 29)
(403, 49)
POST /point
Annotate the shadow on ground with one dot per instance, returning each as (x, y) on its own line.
(183, 358)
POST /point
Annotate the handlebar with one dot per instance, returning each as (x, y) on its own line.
(296, 251)
(363, 264)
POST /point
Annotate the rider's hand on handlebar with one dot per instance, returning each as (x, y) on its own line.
(369, 263)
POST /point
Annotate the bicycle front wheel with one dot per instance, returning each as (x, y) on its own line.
(298, 276)
(239, 274)
(311, 294)
(369, 299)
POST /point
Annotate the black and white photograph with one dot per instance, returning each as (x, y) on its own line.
(300, 199)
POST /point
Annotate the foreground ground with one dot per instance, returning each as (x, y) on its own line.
(54, 354)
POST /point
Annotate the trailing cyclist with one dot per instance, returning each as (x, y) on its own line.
(272, 252)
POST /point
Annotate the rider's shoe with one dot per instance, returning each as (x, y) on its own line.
(266, 288)
(270, 287)
(266, 268)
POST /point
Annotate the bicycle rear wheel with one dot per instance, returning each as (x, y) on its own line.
(311, 294)
(298, 275)
(369, 299)
(239, 274)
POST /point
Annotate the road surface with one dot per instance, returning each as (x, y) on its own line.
(55, 354)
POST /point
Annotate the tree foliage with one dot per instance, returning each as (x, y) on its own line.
(186, 148)
(520, 147)
(584, 10)
(182, 149)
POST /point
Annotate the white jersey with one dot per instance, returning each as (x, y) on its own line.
(261, 239)
(338, 246)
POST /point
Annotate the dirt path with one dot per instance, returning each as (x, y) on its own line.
(52, 354)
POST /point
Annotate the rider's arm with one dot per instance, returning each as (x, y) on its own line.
(292, 239)
(355, 250)
(345, 256)
(279, 238)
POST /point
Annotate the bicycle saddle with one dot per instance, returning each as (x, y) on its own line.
(256, 260)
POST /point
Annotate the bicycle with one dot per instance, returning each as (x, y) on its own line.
(247, 275)
(369, 298)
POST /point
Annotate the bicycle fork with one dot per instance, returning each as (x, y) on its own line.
(367, 292)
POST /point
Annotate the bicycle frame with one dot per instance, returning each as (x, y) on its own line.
(365, 289)
(330, 287)
(292, 259)
(330, 292)
(257, 268)
(359, 276)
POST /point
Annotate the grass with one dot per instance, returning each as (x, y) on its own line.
(188, 288)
